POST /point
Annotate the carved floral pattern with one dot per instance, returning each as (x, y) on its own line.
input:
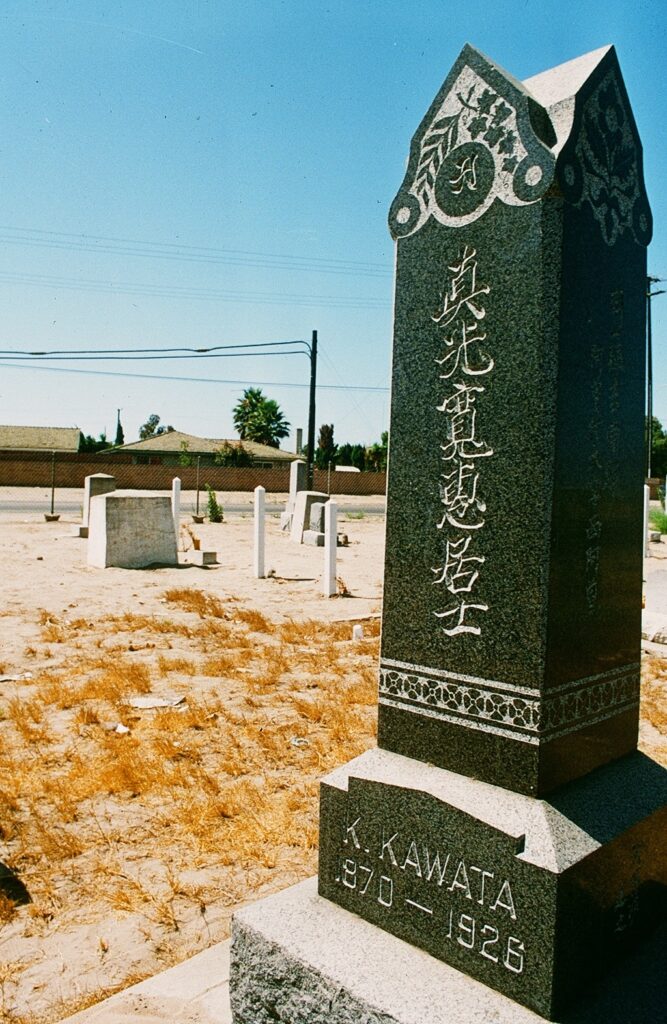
(471, 153)
(608, 165)
(521, 715)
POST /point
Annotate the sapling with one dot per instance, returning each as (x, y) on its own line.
(215, 513)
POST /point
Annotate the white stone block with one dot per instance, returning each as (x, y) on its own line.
(131, 531)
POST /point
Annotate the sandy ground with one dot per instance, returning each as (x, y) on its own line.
(161, 737)
(135, 831)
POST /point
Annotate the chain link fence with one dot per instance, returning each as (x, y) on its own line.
(36, 483)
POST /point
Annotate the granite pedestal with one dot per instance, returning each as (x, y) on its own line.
(298, 958)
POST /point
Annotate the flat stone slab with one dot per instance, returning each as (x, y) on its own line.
(299, 959)
(194, 992)
(201, 557)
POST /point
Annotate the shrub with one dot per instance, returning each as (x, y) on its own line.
(215, 513)
(658, 520)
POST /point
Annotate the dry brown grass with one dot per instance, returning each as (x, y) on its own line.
(254, 619)
(654, 693)
(97, 822)
(184, 666)
(225, 782)
(190, 600)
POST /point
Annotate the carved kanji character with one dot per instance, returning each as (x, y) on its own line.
(464, 353)
(459, 496)
(461, 626)
(464, 292)
(460, 406)
(459, 571)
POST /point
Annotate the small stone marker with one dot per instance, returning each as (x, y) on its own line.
(330, 549)
(301, 517)
(131, 531)
(314, 535)
(259, 533)
(498, 825)
(96, 483)
(176, 505)
(297, 482)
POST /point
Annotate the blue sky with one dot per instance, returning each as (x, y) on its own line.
(200, 173)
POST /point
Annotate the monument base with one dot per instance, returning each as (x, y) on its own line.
(299, 959)
(534, 898)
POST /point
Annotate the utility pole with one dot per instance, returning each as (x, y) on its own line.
(311, 413)
(649, 369)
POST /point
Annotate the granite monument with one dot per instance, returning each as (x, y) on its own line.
(506, 824)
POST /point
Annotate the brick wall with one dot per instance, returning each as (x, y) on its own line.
(33, 469)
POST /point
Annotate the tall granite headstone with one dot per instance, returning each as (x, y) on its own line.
(514, 504)
(506, 823)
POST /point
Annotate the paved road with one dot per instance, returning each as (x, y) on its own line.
(11, 508)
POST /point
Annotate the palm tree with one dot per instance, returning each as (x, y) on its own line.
(258, 418)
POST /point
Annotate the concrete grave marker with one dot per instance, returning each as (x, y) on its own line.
(314, 534)
(297, 482)
(301, 517)
(176, 505)
(259, 531)
(498, 825)
(96, 483)
(329, 582)
(131, 531)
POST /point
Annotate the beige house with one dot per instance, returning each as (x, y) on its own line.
(173, 447)
(39, 439)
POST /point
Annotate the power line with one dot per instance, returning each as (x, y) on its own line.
(134, 359)
(178, 348)
(191, 380)
(34, 237)
(200, 294)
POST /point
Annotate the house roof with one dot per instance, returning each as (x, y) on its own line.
(172, 442)
(52, 439)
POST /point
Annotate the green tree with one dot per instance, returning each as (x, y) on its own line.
(232, 455)
(151, 428)
(185, 459)
(120, 433)
(258, 418)
(89, 444)
(352, 455)
(658, 448)
(326, 450)
(376, 454)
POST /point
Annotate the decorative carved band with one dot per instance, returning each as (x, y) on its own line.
(519, 713)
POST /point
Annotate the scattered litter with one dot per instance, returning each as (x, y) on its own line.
(40, 558)
(16, 679)
(144, 703)
(121, 729)
(299, 741)
(358, 632)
